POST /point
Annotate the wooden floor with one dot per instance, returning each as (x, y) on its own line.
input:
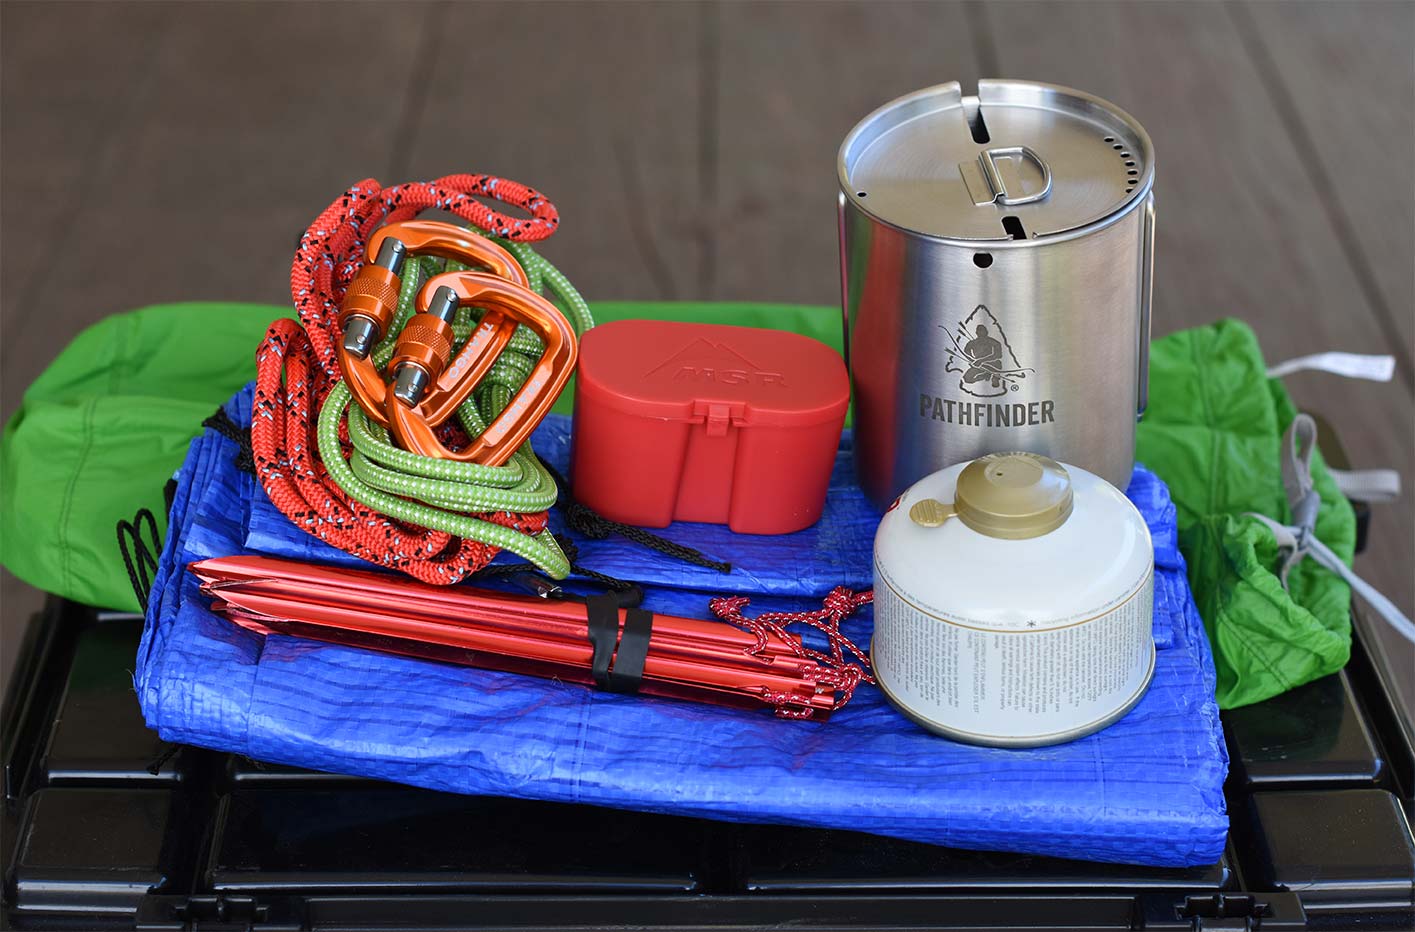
(156, 152)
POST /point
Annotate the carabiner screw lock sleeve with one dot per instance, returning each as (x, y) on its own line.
(424, 347)
(372, 299)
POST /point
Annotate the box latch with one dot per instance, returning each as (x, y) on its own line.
(718, 416)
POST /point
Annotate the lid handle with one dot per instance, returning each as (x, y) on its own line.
(985, 184)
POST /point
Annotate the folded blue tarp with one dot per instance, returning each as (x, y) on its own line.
(1147, 790)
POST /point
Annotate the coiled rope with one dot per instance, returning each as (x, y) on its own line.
(434, 519)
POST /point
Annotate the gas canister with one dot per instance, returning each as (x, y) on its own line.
(1013, 602)
(996, 255)
(704, 422)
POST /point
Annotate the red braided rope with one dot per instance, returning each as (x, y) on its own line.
(837, 671)
(296, 368)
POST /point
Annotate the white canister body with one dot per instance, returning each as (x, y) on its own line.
(1015, 643)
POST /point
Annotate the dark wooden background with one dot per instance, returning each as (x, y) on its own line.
(158, 152)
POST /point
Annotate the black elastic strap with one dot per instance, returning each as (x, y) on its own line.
(602, 614)
(628, 670)
(618, 661)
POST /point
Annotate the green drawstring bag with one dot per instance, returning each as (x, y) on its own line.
(100, 432)
(1214, 432)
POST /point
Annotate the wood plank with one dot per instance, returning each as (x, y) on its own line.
(250, 125)
(61, 116)
(597, 108)
(795, 77)
(1348, 75)
(1240, 229)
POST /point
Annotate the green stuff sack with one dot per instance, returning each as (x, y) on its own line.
(1214, 433)
(100, 432)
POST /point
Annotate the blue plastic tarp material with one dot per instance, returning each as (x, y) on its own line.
(1147, 790)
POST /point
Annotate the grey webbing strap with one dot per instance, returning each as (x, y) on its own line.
(1367, 485)
(1298, 443)
(1299, 539)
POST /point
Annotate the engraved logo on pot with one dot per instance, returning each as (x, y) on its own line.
(981, 352)
(703, 361)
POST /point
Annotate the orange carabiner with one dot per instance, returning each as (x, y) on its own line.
(507, 304)
(371, 299)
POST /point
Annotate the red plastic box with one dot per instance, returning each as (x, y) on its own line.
(704, 422)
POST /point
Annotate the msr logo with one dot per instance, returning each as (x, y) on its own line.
(704, 362)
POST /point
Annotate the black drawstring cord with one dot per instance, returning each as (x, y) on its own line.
(140, 558)
(613, 583)
(585, 520)
(167, 753)
(140, 554)
(222, 423)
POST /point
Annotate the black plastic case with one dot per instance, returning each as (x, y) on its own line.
(107, 827)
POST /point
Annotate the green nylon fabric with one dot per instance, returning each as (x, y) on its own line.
(1213, 432)
(101, 430)
(99, 433)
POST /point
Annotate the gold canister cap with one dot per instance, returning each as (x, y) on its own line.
(1012, 496)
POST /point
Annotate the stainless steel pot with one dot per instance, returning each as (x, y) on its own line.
(996, 260)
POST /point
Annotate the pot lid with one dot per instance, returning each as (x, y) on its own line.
(1013, 496)
(1020, 161)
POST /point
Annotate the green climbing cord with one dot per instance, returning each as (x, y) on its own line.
(443, 494)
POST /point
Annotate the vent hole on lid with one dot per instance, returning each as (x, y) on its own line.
(1013, 226)
(976, 124)
(1110, 139)
(859, 193)
(982, 260)
(1131, 171)
(1131, 164)
(1117, 147)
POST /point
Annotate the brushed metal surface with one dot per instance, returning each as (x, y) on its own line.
(1064, 320)
(1070, 312)
(941, 164)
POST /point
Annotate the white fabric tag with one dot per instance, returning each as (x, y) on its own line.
(1350, 365)
(1367, 485)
